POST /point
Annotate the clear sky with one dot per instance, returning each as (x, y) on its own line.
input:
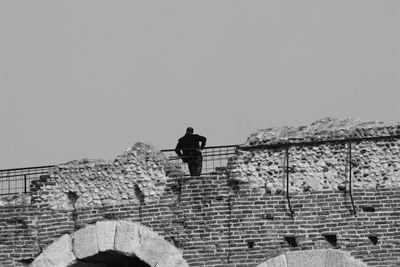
(88, 79)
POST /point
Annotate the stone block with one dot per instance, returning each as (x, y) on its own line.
(126, 237)
(42, 261)
(151, 250)
(306, 258)
(171, 257)
(335, 258)
(351, 262)
(60, 251)
(181, 263)
(279, 261)
(147, 233)
(169, 260)
(155, 250)
(106, 235)
(85, 242)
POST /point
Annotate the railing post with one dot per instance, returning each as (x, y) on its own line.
(9, 182)
(25, 189)
(287, 170)
(350, 179)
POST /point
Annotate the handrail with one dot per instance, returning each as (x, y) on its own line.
(214, 158)
(28, 168)
(17, 180)
(207, 147)
(283, 144)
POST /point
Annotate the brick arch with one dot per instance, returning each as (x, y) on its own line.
(123, 237)
(311, 258)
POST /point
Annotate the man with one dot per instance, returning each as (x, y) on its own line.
(189, 150)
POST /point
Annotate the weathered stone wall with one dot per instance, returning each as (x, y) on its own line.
(136, 176)
(320, 166)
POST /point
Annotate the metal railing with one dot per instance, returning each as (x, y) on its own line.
(15, 181)
(349, 142)
(18, 180)
(215, 159)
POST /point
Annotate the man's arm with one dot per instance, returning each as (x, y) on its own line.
(178, 149)
(202, 141)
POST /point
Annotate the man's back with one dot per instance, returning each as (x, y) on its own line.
(189, 141)
(188, 149)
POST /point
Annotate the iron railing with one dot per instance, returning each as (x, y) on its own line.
(215, 159)
(349, 142)
(14, 181)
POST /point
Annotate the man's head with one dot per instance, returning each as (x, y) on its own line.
(189, 130)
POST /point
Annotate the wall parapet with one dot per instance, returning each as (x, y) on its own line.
(328, 154)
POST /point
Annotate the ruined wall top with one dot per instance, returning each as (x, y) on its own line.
(322, 130)
(138, 175)
(375, 163)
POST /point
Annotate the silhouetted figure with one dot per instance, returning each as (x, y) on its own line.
(189, 150)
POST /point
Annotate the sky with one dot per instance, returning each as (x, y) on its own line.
(88, 79)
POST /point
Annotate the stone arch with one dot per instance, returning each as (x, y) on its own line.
(311, 258)
(120, 237)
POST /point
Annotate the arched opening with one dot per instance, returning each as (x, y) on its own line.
(110, 259)
(311, 258)
(111, 244)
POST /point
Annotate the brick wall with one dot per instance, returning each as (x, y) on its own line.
(217, 222)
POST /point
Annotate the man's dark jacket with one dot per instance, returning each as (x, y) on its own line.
(188, 147)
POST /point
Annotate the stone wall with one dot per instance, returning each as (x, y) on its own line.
(215, 223)
(138, 175)
(238, 219)
(320, 166)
